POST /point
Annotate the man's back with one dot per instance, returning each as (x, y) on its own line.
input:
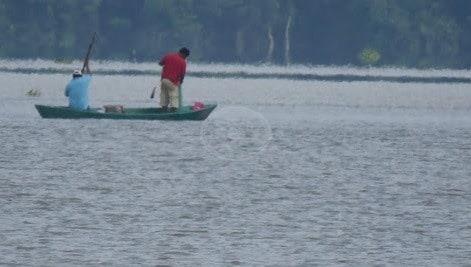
(174, 68)
(77, 91)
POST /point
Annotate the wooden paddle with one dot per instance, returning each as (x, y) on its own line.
(87, 57)
(153, 92)
(180, 96)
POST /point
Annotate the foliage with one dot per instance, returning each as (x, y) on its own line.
(369, 56)
(418, 33)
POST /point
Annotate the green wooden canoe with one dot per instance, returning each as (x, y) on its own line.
(184, 113)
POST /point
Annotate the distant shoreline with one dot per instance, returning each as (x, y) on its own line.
(248, 75)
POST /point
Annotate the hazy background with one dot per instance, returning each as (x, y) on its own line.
(418, 33)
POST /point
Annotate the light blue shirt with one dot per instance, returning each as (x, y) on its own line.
(77, 91)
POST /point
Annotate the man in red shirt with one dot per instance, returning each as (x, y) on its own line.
(173, 73)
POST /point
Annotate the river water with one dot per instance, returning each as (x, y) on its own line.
(283, 173)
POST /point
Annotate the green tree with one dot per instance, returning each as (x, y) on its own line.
(419, 33)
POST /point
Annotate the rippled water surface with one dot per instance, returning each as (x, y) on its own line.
(282, 173)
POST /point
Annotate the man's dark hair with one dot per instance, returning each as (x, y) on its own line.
(184, 51)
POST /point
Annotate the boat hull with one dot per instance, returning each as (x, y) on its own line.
(185, 113)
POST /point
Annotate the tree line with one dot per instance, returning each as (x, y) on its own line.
(417, 33)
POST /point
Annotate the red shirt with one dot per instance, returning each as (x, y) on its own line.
(174, 68)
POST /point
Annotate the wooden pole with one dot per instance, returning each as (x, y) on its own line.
(180, 97)
(87, 57)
